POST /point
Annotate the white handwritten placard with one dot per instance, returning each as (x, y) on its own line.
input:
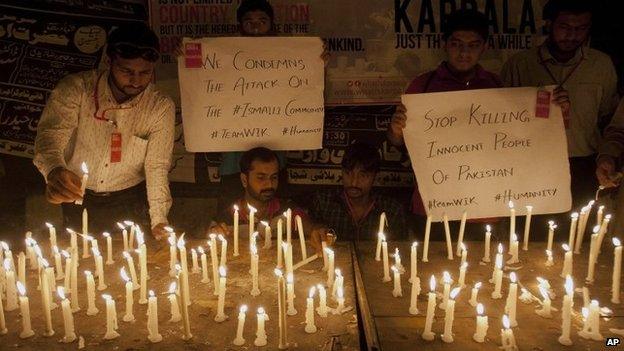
(239, 93)
(477, 150)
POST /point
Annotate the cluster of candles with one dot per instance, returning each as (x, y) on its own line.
(591, 309)
(179, 291)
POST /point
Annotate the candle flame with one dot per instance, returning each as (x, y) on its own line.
(529, 208)
(454, 293)
(290, 279)
(107, 297)
(251, 208)
(394, 269)
(124, 275)
(87, 273)
(607, 217)
(312, 292)
(488, 228)
(569, 285)
(235, 208)
(84, 168)
(49, 225)
(21, 288)
(320, 287)
(193, 252)
(126, 255)
(480, 309)
(151, 293)
(243, 309)
(127, 222)
(106, 234)
(511, 205)
(278, 272)
(514, 237)
(464, 265)
(415, 244)
(544, 293)
(264, 223)
(222, 238)
(181, 242)
(172, 241)
(261, 311)
(512, 277)
(396, 252)
(65, 254)
(574, 215)
(596, 229)
(500, 248)
(4, 245)
(200, 250)
(446, 277)
(432, 283)
(61, 292)
(548, 253)
(222, 272)
(585, 312)
(616, 242)
(506, 321)
(70, 231)
(594, 303)
(339, 273)
(169, 229)
(172, 288)
(478, 285)
(565, 247)
(329, 251)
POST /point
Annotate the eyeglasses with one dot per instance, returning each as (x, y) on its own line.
(129, 50)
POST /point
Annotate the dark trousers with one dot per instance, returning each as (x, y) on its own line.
(105, 210)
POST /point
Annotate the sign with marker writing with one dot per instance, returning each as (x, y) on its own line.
(248, 92)
(477, 150)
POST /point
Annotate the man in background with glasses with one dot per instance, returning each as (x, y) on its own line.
(116, 123)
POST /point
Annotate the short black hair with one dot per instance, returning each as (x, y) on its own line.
(361, 154)
(254, 5)
(468, 20)
(256, 154)
(133, 40)
(553, 8)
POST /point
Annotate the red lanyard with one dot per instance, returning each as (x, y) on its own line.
(552, 76)
(96, 102)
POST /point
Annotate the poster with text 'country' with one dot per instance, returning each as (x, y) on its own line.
(478, 150)
(239, 93)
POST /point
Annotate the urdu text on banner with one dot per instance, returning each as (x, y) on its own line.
(239, 93)
(477, 150)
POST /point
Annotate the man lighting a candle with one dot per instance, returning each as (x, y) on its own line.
(259, 168)
(118, 125)
(353, 212)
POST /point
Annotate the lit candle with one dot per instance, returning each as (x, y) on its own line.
(267, 234)
(512, 297)
(152, 319)
(24, 304)
(52, 232)
(580, 229)
(498, 257)
(204, 265)
(185, 274)
(224, 245)
(617, 269)
(413, 309)
(185, 314)
(281, 305)
(591, 324)
(446, 278)
(46, 298)
(173, 254)
(111, 318)
(129, 315)
(109, 249)
(68, 318)
(99, 269)
(498, 278)
(551, 234)
(397, 291)
(302, 242)
(341, 301)
(261, 336)
(132, 231)
(330, 266)
(74, 282)
(195, 269)
(482, 325)
(449, 316)
(290, 294)
(488, 239)
(566, 313)
(474, 293)
(133, 274)
(212, 243)
(68, 267)
(507, 336)
(252, 219)
(380, 237)
(397, 260)
(236, 228)
(382, 222)
(386, 267)
(255, 291)
(173, 302)
(447, 235)
(549, 258)
(83, 184)
(463, 253)
(573, 223)
(21, 268)
(310, 327)
(322, 309)
(239, 340)
(58, 263)
(512, 223)
(85, 234)
(431, 304)
(124, 235)
(527, 228)
(220, 316)
(280, 259)
(545, 311)
(599, 215)
(567, 263)
(603, 230)
(288, 260)
(460, 238)
(288, 215)
(142, 251)
(73, 242)
(593, 256)
(91, 309)
(514, 250)
(462, 275)
(425, 257)
(413, 262)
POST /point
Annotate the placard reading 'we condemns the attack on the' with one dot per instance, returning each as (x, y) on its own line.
(477, 150)
(239, 93)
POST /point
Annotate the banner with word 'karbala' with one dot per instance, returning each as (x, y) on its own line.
(478, 150)
(239, 93)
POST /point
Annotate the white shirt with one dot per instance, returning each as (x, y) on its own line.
(68, 134)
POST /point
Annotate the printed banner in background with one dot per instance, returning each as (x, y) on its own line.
(37, 49)
(476, 150)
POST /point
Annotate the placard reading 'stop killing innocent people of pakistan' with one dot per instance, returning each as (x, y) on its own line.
(239, 93)
(478, 150)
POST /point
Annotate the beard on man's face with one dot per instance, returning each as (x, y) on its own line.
(263, 195)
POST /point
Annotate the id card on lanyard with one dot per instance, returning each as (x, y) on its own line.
(115, 148)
